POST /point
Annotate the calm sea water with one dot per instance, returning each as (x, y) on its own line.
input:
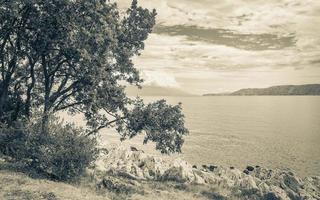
(273, 131)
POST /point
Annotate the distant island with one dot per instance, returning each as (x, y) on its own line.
(281, 90)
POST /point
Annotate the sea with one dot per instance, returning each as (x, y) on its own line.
(270, 131)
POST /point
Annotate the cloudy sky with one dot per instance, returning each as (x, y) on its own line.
(203, 46)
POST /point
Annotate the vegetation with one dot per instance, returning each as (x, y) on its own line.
(62, 155)
(310, 89)
(281, 90)
(75, 56)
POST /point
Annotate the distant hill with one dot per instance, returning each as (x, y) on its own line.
(310, 89)
(155, 91)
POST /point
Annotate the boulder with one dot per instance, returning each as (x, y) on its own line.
(276, 193)
(212, 168)
(179, 171)
(311, 187)
(116, 185)
(254, 183)
(246, 171)
(250, 168)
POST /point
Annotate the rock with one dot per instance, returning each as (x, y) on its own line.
(212, 167)
(264, 188)
(115, 185)
(133, 148)
(103, 151)
(291, 182)
(276, 193)
(311, 187)
(174, 174)
(199, 180)
(249, 183)
(180, 171)
(132, 163)
(253, 183)
(250, 168)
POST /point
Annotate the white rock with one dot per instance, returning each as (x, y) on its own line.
(264, 183)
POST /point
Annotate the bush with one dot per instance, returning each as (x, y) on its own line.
(13, 140)
(65, 152)
(62, 154)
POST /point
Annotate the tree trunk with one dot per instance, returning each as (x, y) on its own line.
(46, 108)
(29, 90)
(4, 96)
(3, 102)
(45, 123)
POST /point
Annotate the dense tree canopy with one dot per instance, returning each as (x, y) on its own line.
(76, 56)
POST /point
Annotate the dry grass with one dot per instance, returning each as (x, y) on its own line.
(18, 186)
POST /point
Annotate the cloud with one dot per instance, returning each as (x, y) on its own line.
(177, 53)
(263, 41)
(159, 78)
(206, 46)
(175, 61)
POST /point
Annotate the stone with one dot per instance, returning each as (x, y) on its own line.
(212, 167)
(250, 168)
(179, 171)
(249, 183)
(255, 183)
(103, 151)
(276, 193)
(291, 182)
(133, 148)
(114, 185)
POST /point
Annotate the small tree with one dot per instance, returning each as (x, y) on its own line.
(75, 55)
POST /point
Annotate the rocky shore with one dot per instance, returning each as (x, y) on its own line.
(254, 182)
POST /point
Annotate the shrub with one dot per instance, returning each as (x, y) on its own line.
(62, 154)
(13, 140)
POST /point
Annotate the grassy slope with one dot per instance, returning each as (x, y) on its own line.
(16, 186)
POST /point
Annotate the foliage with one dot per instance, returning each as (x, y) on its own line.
(76, 55)
(162, 123)
(13, 140)
(63, 154)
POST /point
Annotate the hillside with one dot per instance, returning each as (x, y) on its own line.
(18, 186)
(128, 173)
(309, 89)
(155, 91)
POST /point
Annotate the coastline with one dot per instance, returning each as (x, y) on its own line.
(124, 172)
(253, 182)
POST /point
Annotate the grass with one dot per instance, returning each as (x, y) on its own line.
(17, 183)
(16, 186)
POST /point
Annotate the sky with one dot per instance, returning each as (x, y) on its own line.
(213, 46)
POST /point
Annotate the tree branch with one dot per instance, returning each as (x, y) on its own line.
(104, 126)
(57, 108)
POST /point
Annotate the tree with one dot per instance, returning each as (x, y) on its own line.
(76, 55)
